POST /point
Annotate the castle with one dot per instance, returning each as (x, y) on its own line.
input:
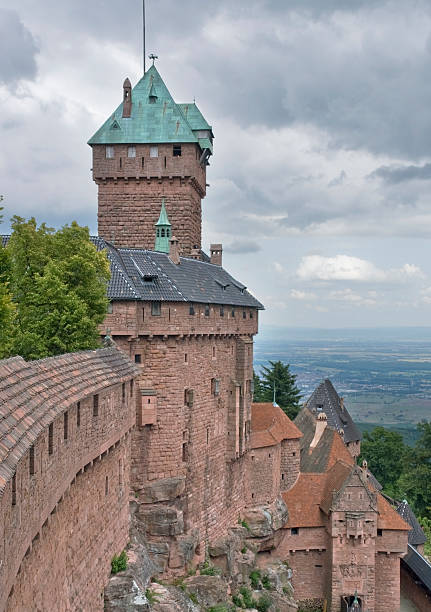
(167, 412)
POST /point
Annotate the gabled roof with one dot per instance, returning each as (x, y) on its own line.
(325, 399)
(34, 393)
(329, 449)
(189, 281)
(163, 121)
(416, 534)
(303, 501)
(270, 425)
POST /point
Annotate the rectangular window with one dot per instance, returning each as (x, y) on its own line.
(379, 532)
(110, 308)
(138, 358)
(251, 314)
(154, 151)
(51, 439)
(95, 405)
(294, 531)
(233, 312)
(222, 311)
(65, 425)
(123, 392)
(191, 309)
(207, 310)
(109, 152)
(244, 314)
(78, 414)
(184, 454)
(186, 358)
(131, 152)
(14, 490)
(106, 485)
(188, 397)
(156, 309)
(31, 464)
(176, 150)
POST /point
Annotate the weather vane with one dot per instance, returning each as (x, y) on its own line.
(153, 57)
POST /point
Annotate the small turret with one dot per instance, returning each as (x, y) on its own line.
(163, 231)
(127, 98)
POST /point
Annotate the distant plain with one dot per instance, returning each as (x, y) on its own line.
(384, 374)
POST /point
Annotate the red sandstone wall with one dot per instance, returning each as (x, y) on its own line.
(290, 463)
(387, 583)
(264, 474)
(420, 596)
(131, 191)
(39, 497)
(310, 574)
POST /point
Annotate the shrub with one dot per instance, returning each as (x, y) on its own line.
(263, 604)
(119, 563)
(244, 550)
(247, 597)
(209, 570)
(151, 596)
(266, 583)
(255, 579)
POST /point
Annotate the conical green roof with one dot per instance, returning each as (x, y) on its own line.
(159, 121)
(163, 217)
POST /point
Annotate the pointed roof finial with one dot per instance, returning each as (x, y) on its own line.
(163, 217)
(163, 231)
(153, 57)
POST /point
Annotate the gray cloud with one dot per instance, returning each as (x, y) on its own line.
(399, 174)
(242, 247)
(18, 49)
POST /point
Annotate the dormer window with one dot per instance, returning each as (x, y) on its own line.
(176, 151)
(109, 152)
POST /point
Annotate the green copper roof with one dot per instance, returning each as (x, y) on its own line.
(158, 121)
(194, 116)
(163, 218)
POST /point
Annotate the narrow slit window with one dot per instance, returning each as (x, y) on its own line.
(106, 485)
(14, 490)
(66, 425)
(131, 388)
(222, 311)
(233, 313)
(143, 162)
(78, 414)
(95, 405)
(31, 464)
(123, 392)
(207, 310)
(51, 439)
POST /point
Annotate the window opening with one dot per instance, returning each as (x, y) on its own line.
(31, 466)
(106, 485)
(154, 151)
(244, 314)
(186, 358)
(78, 414)
(51, 439)
(176, 150)
(294, 531)
(110, 308)
(208, 435)
(215, 386)
(207, 310)
(222, 311)
(165, 161)
(156, 309)
(131, 388)
(233, 312)
(123, 390)
(131, 152)
(95, 405)
(14, 490)
(65, 425)
(191, 309)
(143, 162)
(109, 152)
(138, 358)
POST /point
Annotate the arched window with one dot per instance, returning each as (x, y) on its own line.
(163, 232)
(158, 233)
(168, 232)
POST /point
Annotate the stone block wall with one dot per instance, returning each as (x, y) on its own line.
(387, 583)
(264, 474)
(81, 477)
(290, 463)
(131, 192)
(413, 590)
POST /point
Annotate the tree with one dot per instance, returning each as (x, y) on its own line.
(414, 483)
(385, 452)
(58, 282)
(7, 310)
(287, 394)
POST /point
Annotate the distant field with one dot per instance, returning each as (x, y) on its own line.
(387, 408)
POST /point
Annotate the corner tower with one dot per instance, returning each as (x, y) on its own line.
(151, 148)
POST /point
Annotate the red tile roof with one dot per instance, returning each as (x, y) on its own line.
(270, 425)
(303, 501)
(33, 394)
(389, 517)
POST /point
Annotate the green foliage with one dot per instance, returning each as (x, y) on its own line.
(244, 550)
(119, 563)
(426, 526)
(414, 482)
(193, 597)
(237, 600)
(247, 597)
(266, 583)
(263, 604)
(220, 608)
(287, 394)
(7, 308)
(243, 523)
(207, 569)
(151, 596)
(255, 576)
(58, 283)
(384, 451)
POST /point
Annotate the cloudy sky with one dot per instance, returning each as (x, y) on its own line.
(321, 177)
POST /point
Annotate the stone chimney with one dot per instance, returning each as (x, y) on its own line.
(216, 251)
(174, 251)
(195, 252)
(321, 424)
(127, 98)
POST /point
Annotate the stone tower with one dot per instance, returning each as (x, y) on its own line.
(151, 148)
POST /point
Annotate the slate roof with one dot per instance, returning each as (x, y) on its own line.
(270, 425)
(325, 399)
(34, 393)
(416, 534)
(192, 280)
(163, 121)
(420, 567)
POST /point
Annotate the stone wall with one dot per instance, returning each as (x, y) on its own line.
(290, 463)
(131, 192)
(79, 472)
(264, 474)
(387, 583)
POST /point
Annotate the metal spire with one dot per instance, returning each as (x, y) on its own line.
(143, 34)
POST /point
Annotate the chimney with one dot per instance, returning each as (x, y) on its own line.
(321, 424)
(174, 252)
(195, 252)
(127, 98)
(216, 251)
